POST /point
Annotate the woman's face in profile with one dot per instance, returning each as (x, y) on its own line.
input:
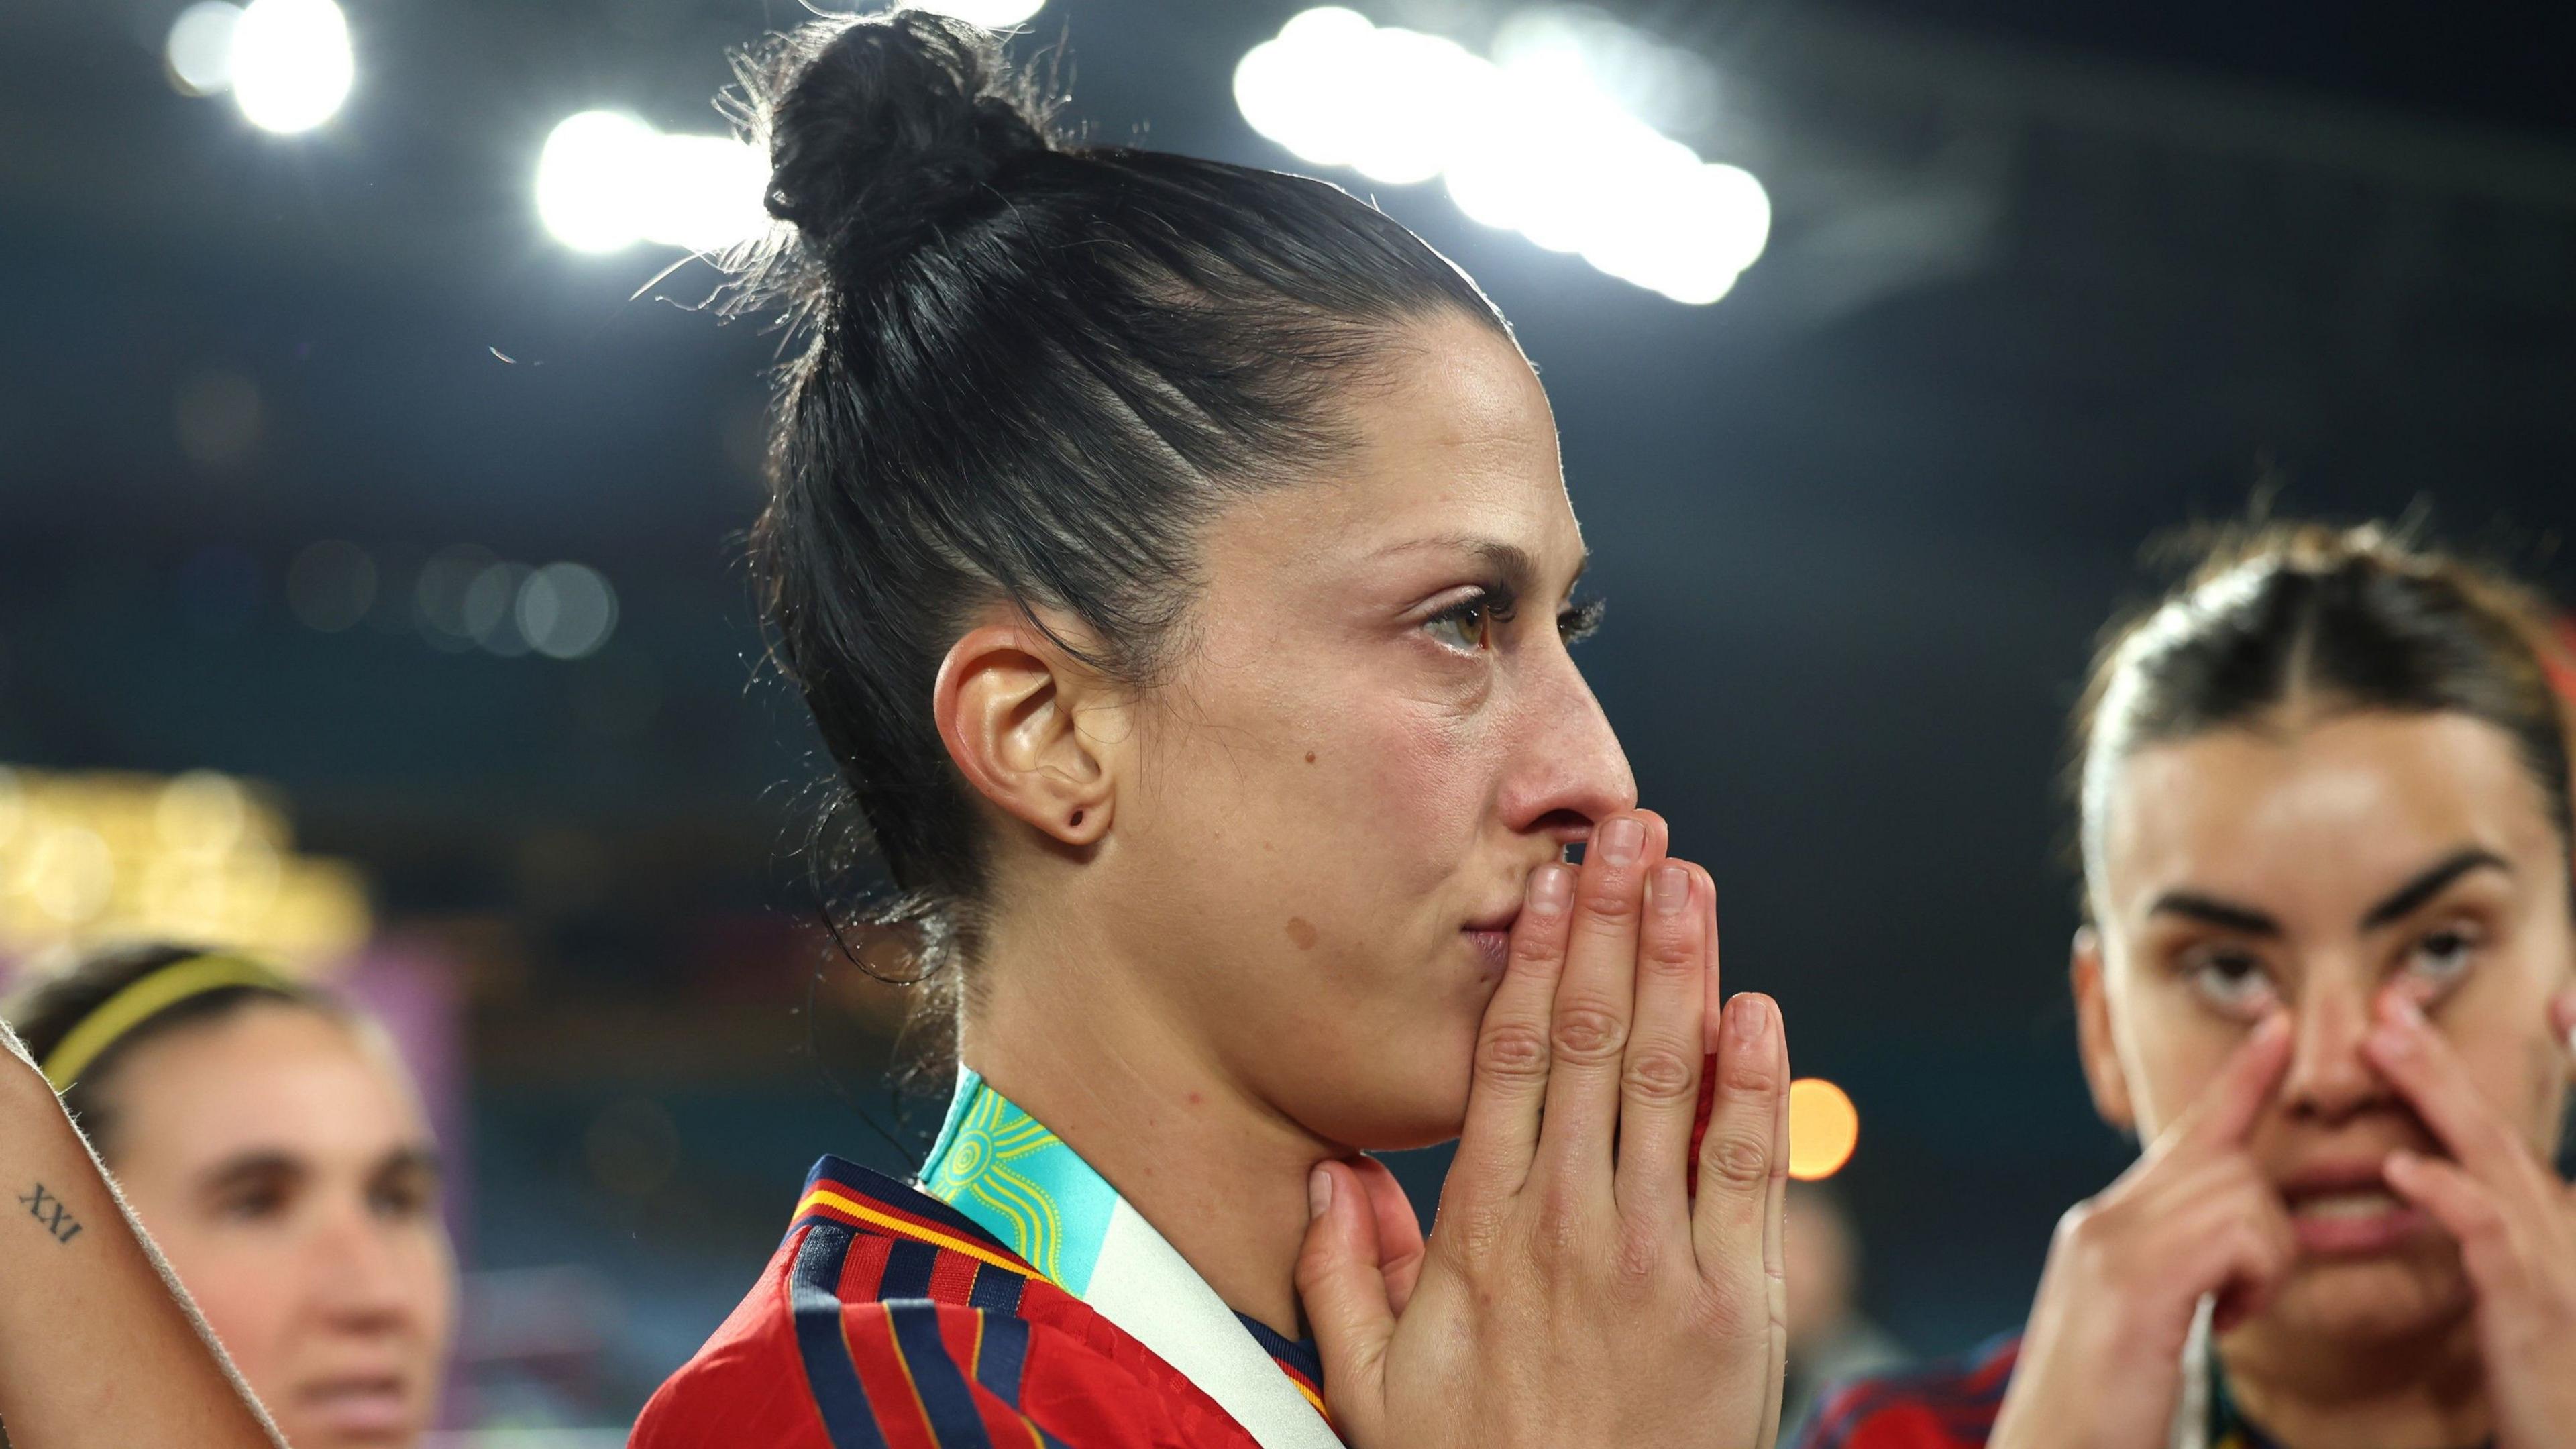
(1373, 733)
(2315, 869)
(281, 1161)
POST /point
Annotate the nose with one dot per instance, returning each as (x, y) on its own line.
(357, 1276)
(2329, 1079)
(1567, 771)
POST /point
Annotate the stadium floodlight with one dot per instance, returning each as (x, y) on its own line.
(607, 180)
(290, 63)
(1537, 140)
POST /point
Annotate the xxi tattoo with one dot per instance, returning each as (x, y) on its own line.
(50, 1212)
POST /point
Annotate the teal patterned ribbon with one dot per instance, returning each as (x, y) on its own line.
(1020, 1182)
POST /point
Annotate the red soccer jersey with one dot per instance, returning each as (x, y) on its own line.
(1947, 1405)
(888, 1320)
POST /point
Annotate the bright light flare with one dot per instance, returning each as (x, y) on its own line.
(1539, 143)
(991, 14)
(1824, 1127)
(606, 181)
(291, 63)
(200, 49)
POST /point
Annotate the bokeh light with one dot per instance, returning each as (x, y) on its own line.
(1538, 140)
(567, 610)
(291, 64)
(1824, 1127)
(607, 180)
(200, 48)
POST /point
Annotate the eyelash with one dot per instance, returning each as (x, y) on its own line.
(1577, 622)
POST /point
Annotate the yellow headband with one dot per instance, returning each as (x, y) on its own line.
(146, 998)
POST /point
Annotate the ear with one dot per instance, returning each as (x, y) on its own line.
(1009, 703)
(2093, 1038)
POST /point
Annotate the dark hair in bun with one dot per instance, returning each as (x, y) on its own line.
(1030, 370)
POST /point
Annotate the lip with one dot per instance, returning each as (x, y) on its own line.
(1491, 935)
(357, 1405)
(2348, 1234)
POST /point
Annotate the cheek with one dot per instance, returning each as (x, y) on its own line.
(246, 1295)
(2171, 1056)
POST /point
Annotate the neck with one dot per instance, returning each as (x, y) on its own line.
(2424, 1391)
(1060, 1026)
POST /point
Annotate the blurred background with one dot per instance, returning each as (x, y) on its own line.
(372, 479)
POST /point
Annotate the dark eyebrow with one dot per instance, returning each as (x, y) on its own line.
(410, 1159)
(2406, 899)
(2216, 912)
(1512, 565)
(250, 1166)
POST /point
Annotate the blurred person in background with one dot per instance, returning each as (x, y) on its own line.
(1830, 1339)
(1177, 561)
(272, 1144)
(2329, 978)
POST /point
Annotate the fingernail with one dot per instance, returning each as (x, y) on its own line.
(1669, 889)
(1622, 840)
(2390, 1042)
(1319, 1192)
(2411, 1012)
(2398, 1163)
(1551, 889)
(1748, 1017)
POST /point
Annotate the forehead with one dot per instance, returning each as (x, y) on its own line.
(2328, 812)
(1451, 435)
(272, 1078)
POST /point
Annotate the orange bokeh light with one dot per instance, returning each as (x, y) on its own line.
(1824, 1127)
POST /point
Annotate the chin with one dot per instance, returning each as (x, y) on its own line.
(2378, 1299)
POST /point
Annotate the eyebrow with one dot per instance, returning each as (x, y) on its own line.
(250, 1166)
(2396, 906)
(2216, 912)
(2408, 898)
(270, 1162)
(1511, 563)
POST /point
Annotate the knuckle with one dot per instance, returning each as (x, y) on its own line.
(1514, 1052)
(1749, 1074)
(1612, 899)
(1536, 948)
(1660, 1074)
(1637, 1260)
(1736, 1159)
(1588, 1035)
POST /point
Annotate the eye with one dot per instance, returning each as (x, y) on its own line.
(2441, 957)
(1580, 620)
(2230, 978)
(1468, 625)
(253, 1205)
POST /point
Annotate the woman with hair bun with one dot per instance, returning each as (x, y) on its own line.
(1177, 563)
(2328, 977)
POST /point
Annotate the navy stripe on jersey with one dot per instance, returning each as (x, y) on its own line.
(829, 1372)
(909, 1264)
(947, 1401)
(996, 1290)
(1293, 1353)
(1004, 1353)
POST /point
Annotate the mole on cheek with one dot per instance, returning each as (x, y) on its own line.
(1310, 757)
(1302, 932)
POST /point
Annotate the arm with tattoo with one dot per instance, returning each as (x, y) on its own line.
(99, 1345)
